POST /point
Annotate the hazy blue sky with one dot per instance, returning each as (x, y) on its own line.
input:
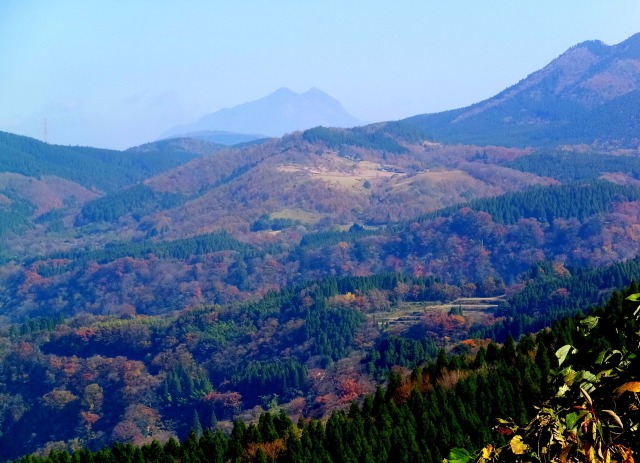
(118, 73)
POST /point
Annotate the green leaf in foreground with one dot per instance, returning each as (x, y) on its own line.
(458, 455)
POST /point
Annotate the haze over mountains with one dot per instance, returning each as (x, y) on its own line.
(281, 112)
(145, 290)
(588, 95)
(590, 92)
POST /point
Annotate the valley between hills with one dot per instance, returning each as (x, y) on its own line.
(333, 294)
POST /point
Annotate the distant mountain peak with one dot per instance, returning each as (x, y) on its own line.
(594, 46)
(278, 113)
(316, 91)
(630, 48)
(588, 93)
(634, 39)
(284, 90)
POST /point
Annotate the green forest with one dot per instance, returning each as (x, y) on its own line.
(301, 353)
(488, 404)
(93, 168)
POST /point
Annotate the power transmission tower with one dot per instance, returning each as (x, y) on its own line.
(45, 131)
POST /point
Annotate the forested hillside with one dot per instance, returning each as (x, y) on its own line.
(452, 402)
(104, 170)
(480, 246)
(293, 274)
(306, 350)
(42, 184)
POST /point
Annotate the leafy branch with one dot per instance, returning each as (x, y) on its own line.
(595, 414)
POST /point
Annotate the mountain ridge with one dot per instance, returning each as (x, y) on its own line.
(221, 137)
(558, 103)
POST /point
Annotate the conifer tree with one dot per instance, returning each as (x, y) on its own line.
(213, 423)
(197, 426)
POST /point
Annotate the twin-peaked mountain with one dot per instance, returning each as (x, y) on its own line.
(591, 93)
(281, 112)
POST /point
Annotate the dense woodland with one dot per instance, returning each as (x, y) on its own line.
(303, 351)
(103, 169)
(451, 402)
(474, 249)
(260, 295)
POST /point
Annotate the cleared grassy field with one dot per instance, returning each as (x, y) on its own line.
(408, 314)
